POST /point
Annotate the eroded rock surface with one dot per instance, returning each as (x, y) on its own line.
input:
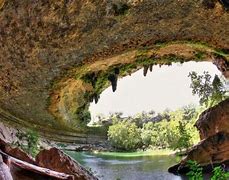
(213, 149)
(214, 120)
(7, 133)
(51, 164)
(15, 152)
(209, 152)
(58, 161)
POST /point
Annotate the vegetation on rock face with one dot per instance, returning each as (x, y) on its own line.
(28, 141)
(196, 172)
(146, 58)
(219, 174)
(100, 80)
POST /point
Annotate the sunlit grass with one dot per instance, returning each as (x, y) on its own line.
(138, 153)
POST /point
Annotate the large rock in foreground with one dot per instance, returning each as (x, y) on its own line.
(211, 151)
(15, 152)
(213, 125)
(51, 164)
(56, 160)
(214, 120)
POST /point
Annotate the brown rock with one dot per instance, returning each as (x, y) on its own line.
(15, 152)
(19, 154)
(222, 64)
(211, 151)
(214, 120)
(57, 160)
(213, 126)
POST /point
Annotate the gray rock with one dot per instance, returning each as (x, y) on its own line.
(4, 171)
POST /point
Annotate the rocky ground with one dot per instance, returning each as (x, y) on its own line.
(48, 164)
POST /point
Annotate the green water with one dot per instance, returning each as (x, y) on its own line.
(128, 166)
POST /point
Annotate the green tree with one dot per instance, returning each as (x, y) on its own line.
(189, 112)
(159, 132)
(209, 92)
(184, 140)
(147, 133)
(219, 91)
(124, 136)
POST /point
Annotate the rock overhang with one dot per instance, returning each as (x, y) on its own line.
(44, 43)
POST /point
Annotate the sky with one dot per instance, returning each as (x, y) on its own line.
(164, 87)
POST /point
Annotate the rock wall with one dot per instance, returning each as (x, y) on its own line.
(214, 120)
(7, 133)
(213, 149)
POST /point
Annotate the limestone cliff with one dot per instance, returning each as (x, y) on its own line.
(214, 120)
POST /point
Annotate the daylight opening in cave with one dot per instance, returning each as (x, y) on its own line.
(164, 88)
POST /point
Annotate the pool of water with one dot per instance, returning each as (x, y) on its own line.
(117, 167)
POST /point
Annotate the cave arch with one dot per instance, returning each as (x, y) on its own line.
(72, 96)
(44, 46)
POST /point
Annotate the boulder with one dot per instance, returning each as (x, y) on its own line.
(214, 120)
(57, 160)
(19, 154)
(211, 151)
(15, 152)
(213, 126)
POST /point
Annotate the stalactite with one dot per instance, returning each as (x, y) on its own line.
(96, 98)
(169, 63)
(145, 70)
(116, 71)
(151, 67)
(113, 78)
(91, 98)
(94, 79)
